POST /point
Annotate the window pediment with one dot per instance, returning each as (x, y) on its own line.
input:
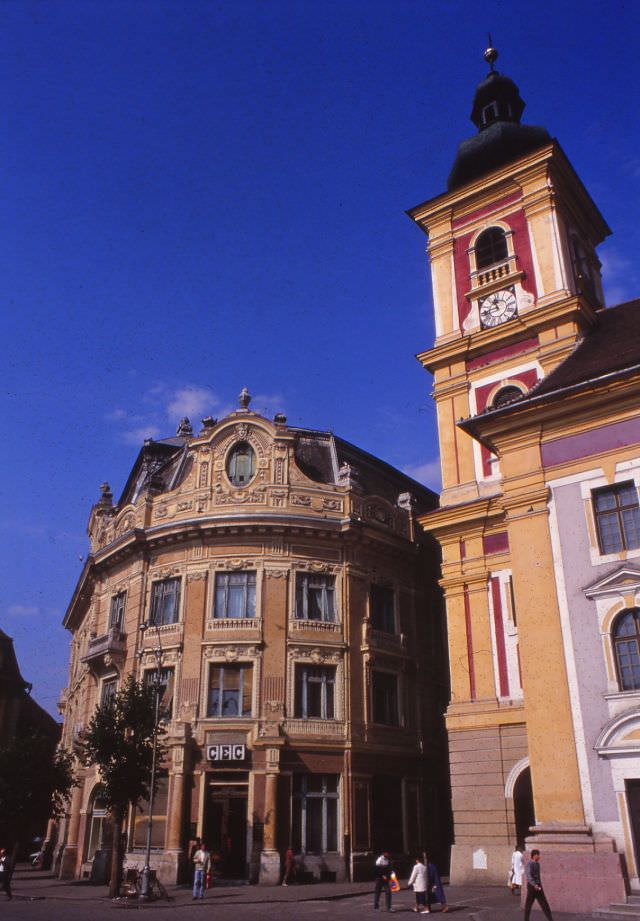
(621, 735)
(624, 580)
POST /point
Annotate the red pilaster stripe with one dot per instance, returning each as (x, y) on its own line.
(503, 674)
(467, 618)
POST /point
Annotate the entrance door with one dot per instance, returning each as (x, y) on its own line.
(633, 802)
(225, 831)
(523, 806)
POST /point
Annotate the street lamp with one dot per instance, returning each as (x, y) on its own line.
(145, 882)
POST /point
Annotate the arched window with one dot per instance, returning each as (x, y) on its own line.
(241, 465)
(491, 247)
(506, 395)
(626, 645)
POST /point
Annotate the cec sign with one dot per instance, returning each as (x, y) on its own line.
(226, 752)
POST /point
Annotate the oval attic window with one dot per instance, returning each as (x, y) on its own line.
(241, 464)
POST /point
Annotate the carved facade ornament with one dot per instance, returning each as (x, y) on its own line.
(161, 511)
(197, 552)
(303, 501)
(407, 501)
(197, 576)
(242, 430)
(332, 505)
(235, 563)
(378, 512)
(240, 496)
(231, 653)
(204, 474)
(278, 497)
(276, 573)
(315, 653)
(184, 505)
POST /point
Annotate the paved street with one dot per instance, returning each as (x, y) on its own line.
(39, 897)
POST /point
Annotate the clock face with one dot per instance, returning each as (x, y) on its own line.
(498, 308)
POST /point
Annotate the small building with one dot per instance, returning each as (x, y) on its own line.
(295, 600)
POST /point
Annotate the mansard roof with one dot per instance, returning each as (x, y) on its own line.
(162, 464)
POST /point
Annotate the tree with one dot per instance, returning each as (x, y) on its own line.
(36, 780)
(120, 741)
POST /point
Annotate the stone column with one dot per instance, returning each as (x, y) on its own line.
(175, 845)
(270, 856)
(70, 853)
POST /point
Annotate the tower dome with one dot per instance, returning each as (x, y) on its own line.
(497, 110)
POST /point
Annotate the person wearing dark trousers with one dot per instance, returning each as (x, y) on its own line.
(535, 892)
(5, 873)
(383, 870)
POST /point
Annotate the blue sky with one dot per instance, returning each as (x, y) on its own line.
(199, 196)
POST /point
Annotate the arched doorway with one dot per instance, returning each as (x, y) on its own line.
(523, 811)
(99, 826)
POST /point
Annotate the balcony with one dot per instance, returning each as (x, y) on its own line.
(298, 625)
(496, 275)
(102, 650)
(317, 729)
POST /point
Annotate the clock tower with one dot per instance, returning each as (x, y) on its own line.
(516, 285)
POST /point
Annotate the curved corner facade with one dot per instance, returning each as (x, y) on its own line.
(303, 664)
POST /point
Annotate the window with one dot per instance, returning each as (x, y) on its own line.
(108, 691)
(159, 823)
(241, 464)
(230, 690)
(165, 602)
(315, 597)
(99, 823)
(617, 517)
(116, 612)
(163, 681)
(491, 247)
(381, 609)
(315, 813)
(506, 395)
(626, 638)
(384, 698)
(235, 594)
(315, 692)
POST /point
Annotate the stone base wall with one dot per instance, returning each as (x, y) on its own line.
(578, 882)
(484, 825)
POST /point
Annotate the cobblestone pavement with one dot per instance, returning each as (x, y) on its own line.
(40, 897)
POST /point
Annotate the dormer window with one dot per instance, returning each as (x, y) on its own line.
(491, 247)
(490, 113)
(241, 465)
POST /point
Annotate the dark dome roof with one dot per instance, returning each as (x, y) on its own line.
(497, 109)
(495, 146)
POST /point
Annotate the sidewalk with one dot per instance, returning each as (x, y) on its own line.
(471, 903)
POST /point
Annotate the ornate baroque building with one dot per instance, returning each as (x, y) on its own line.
(295, 599)
(536, 387)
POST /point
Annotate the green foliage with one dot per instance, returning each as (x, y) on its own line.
(119, 741)
(35, 783)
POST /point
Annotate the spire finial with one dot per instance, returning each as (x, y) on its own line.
(490, 55)
(244, 398)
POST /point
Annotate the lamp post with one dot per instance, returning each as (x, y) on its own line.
(145, 882)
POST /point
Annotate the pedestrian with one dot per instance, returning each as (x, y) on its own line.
(419, 879)
(201, 862)
(5, 873)
(535, 892)
(289, 866)
(383, 871)
(197, 844)
(436, 890)
(517, 870)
